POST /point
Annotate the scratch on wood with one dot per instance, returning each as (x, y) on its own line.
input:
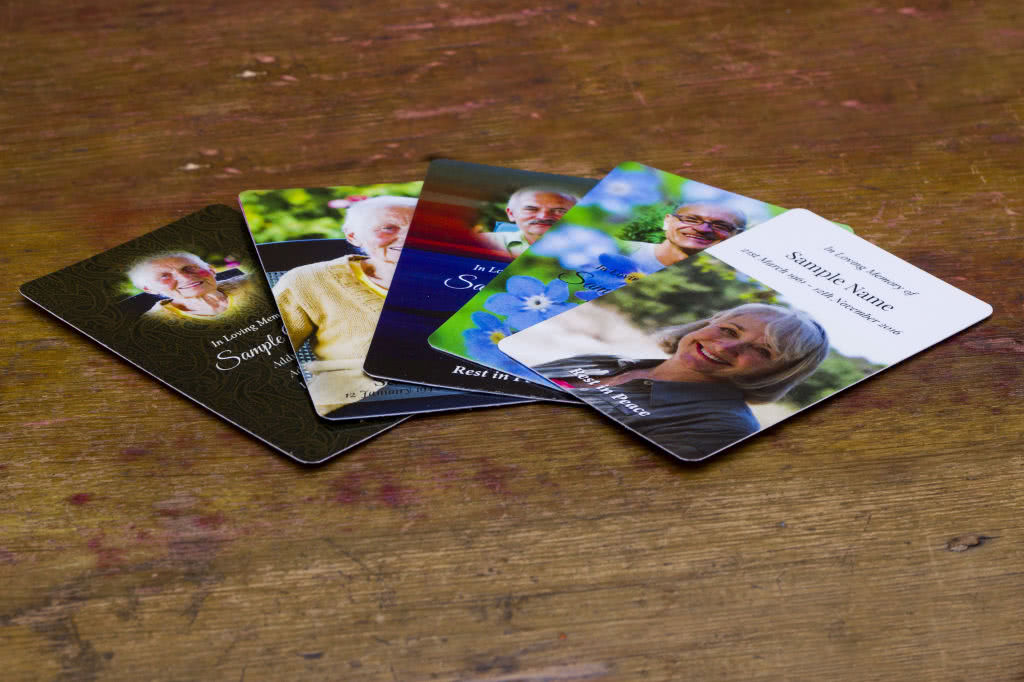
(580, 671)
(407, 114)
(1004, 345)
(878, 216)
(45, 422)
(411, 27)
(497, 18)
(637, 95)
(962, 543)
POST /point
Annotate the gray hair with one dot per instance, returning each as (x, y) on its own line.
(517, 196)
(799, 341)
(741, 218)
(138, 273)
(363, 215)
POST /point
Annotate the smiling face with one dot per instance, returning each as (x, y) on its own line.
(382, 239)
(535, 212)
(179, 278)
(694, 227)
(727, 349)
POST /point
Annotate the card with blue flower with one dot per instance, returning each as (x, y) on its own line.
(704, 354)
(471, 221)
(635, 222)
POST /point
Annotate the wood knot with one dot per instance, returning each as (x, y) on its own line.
(962, 543)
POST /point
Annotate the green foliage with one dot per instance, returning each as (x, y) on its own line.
(702, 287)
(686, 294)
(836, 372)
(648, 225)
(303, 213)
(125, 289)
(592, 216)
(490, 214)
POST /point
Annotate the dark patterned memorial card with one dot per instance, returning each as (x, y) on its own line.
(188, 305)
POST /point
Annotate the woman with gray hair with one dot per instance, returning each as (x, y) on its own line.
(695, 401)
(336, 303)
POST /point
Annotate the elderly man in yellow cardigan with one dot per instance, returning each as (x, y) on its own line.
(337, 302)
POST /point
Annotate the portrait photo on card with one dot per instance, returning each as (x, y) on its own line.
(636, 221)
(697, 358)
(179, 285)
(187, 304)
(471, 221)
(694, 360)
(330, 255)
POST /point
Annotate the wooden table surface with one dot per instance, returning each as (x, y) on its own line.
(878, 536)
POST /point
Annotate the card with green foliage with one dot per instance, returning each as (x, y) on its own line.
(329, 254)
(703, 354)
(635, 222)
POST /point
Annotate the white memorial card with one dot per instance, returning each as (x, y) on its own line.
(708, 352)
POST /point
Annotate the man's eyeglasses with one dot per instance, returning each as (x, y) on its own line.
(720, 227)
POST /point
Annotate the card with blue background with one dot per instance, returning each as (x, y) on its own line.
(471, 221)
(636, 221)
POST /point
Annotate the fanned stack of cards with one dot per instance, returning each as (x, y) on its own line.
(692, 316)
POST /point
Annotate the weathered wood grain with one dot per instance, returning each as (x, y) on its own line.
(145, 539)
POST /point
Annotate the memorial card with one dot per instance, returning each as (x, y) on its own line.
(696, 358)
(329, 254)
(188, 305)
(470, 222)
(635, 222)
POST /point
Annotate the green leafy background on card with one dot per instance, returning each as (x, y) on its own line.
(681, 295)
(278, 215)
(630, 204)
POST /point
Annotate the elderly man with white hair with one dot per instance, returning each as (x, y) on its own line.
(533, 210)
(188, 287)
(336, 303)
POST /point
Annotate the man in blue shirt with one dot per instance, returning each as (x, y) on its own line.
(533, 210)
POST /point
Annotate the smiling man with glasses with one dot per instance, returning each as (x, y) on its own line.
(689, 229)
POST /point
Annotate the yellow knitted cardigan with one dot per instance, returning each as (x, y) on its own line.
(328, 302)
